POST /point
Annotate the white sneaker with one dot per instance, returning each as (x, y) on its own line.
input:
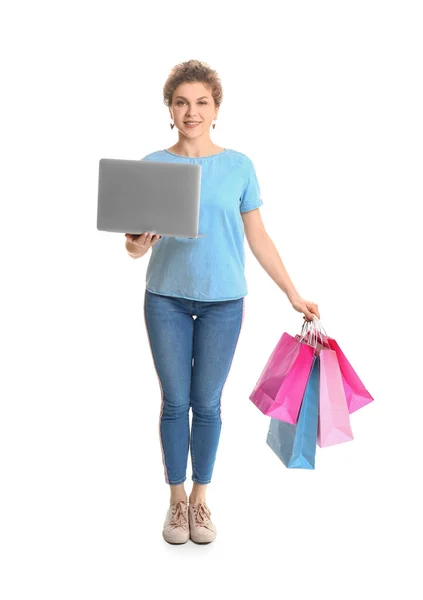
(176, 525)
(202, 530)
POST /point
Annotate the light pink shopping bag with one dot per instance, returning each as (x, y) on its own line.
(356, 394)
(280, 389)
(334, 425)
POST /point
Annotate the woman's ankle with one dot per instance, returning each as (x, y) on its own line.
(178, 494)
(196, 499)
(198, 493)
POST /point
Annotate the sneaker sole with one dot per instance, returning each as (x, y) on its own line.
(175, 543)
(200, 541)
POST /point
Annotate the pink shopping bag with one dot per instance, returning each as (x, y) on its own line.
(356, 394)
(280, 389)
(334, 425)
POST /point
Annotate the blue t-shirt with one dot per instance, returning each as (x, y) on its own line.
(209, 268)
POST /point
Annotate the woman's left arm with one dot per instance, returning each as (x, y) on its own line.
(265, 252)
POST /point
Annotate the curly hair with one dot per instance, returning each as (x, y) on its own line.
(189, 71)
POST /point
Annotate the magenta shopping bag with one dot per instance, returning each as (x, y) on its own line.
(280, 389)
(356, 394)
(334, 425)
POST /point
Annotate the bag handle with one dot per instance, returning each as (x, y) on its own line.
(317, 329)
(318, 324)
(312, 332)
(305, 334)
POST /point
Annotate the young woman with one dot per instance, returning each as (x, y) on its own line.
(194, 297)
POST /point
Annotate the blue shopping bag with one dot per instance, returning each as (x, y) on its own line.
(295, 445)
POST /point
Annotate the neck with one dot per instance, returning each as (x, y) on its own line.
(195, 148)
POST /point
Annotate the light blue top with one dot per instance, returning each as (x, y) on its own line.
(209, 268)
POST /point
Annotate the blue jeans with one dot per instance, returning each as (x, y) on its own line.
(192, 358)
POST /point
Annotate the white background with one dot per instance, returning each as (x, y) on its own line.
(326, 99)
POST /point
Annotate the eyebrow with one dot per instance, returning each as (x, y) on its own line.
(187, 98)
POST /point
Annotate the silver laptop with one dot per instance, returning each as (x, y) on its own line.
(136, 196)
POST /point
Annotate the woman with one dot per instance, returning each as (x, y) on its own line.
(194, 298)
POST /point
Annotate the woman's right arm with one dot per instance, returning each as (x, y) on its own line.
(134, 250)
(138, 245)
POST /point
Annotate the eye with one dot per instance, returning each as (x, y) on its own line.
(179, 102)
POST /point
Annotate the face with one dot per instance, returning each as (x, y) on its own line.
(193, 102)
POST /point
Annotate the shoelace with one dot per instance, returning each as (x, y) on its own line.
(202, 515)
(179, 518)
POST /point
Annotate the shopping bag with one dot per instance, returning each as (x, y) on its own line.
(334, 425)
(295, 445)
(280, 388)
(356, 394)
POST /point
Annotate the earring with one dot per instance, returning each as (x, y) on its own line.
(172, 125)
(214, 125)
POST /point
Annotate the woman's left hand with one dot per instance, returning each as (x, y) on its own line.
(305, 306)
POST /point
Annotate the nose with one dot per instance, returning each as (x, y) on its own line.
(190, 115)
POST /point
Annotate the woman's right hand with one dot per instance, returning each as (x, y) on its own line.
(138, 245)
